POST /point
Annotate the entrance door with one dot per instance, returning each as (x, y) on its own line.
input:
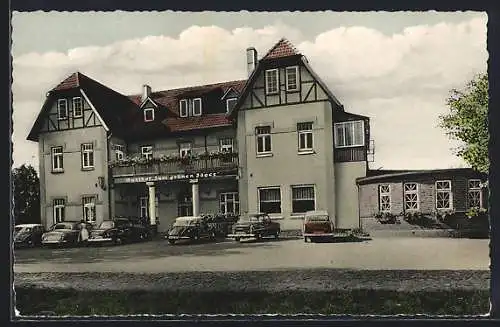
(144, 208)
(185, 205)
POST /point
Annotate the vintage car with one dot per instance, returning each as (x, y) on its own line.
(118, 231)
(317, 224)
(190, 228)
(28, 235)
(64, 233)
(256, 226)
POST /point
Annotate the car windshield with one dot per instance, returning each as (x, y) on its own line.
(63, 226)
(253, 218)
(180, 223)
(106, 224)
(17, 229)
(317, 218)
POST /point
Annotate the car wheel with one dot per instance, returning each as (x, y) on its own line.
(277, 234)
(118, 241)
(171, 242)
(307, 239)
(258, 236)
(237, 239)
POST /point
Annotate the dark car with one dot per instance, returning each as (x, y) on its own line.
(28, 235)
(256, 226)
(64, 233)
(190, 229)
(317, 225)
(118, 231)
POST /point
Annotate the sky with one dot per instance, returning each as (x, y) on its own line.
(396, 67)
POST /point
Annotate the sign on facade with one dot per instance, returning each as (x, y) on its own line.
(175, 177)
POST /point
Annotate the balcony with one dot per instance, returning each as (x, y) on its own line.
(175, 168)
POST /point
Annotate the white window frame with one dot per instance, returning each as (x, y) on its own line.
(292, 198)
(59, 210)
(89, 208)
(384, 191)
(201, 109)
(342, 125)
(296, 71)
(185, 149)
(447, 190)
(230, 100)
(144, 204)
(146, 111)
(147, 152)
(75, 101)
(268, 82)
(59, 102)
(87, 155)
(186, 111)
(119, 152)
(226, 144)
(474, 189)
(410, 192)
(303, 133)
(263, 136)
(229, 197)
(270, 188)
(57, 152)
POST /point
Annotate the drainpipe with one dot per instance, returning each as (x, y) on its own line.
(110, 175)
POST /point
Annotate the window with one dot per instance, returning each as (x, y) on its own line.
(89, 211)
(144, 207)
(226, 144)
(77, 107)
(147, 152)
(272, 81)
(230, 103)
(292, 74)
(59, 210)
(303, 199)
(384, 194)
(305, 133)
(443, 195)
(197, 107)
(87, 155)
(263, 135)
(183, 108)
(270, 200)
(62, 109)
(475, 194)
(119, 152)
(57, 158)
(411, 196)
(229, 203)
(350, 133)
(149, 114)
(184, 149)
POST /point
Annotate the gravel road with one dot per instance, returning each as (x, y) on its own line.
(283, 280)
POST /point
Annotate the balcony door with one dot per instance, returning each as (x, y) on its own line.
(185, 204)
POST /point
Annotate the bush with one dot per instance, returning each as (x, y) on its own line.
(387, 218)
(419, 219)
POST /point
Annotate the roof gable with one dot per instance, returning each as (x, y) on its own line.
(283, 48)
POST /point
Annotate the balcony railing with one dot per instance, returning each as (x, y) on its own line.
(221, 164)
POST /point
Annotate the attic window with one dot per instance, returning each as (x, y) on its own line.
(197, 107)
(292, 74)
(62, 109)
(183, 108)
(271, 81)
(230, 103)
(77, 107)
(149, 114)
(190, 107)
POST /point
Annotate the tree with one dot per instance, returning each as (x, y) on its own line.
(26, 195)
(467, 122)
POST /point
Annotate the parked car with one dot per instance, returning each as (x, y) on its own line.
(190, 228)
(317, 224)
(256, 225)
(221, 223)
(118, 231)
(28, 235)
(64, 233)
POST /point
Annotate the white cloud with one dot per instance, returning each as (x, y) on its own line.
(400, 80)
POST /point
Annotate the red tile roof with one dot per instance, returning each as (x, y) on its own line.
(281, 49)
(178, 124)
(72, 81)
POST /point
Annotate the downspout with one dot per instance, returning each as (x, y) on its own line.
(110, 175)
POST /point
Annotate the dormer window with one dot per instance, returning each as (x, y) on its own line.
(230, 103)
(149, 114)
(272, 81)
(291, 75)
(197, 107)
(190, 107)
(62, 109)
(183, 108)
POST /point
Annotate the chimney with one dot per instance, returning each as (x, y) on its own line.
(146, 91)
(251, 60)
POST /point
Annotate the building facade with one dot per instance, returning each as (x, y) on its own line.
(428, 192)
(277, 142)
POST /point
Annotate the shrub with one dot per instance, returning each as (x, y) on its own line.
(387, 218)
